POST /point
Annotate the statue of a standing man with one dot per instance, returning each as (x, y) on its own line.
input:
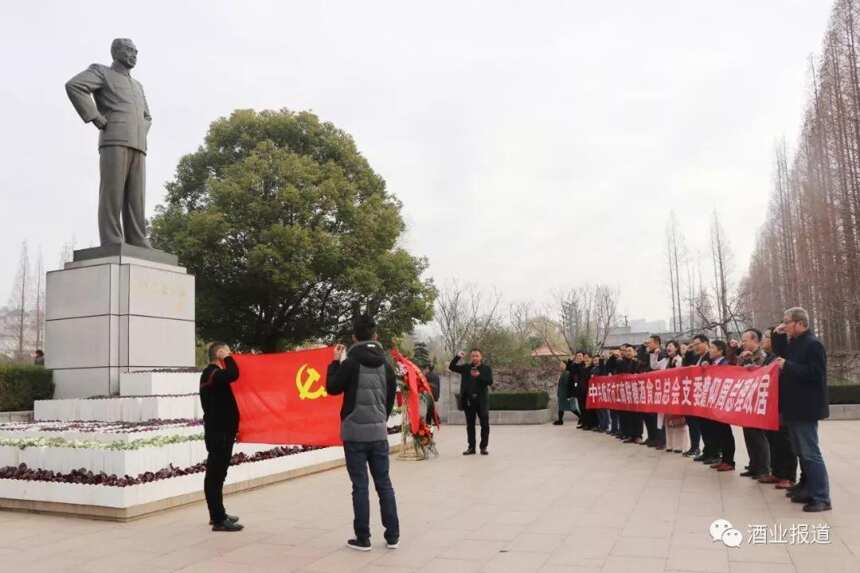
(113, 101)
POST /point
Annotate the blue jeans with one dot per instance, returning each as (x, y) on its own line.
(360, 455)
(804, 441)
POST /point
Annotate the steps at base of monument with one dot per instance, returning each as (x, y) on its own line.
(93, 431)
(131, 462)
(136, 501)
(119, 408)
(153, 383)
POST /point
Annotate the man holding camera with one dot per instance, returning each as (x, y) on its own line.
(475, 381)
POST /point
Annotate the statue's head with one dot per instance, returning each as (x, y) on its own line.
(124, 51)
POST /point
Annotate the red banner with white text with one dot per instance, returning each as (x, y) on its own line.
(282, 399)
(735, 395)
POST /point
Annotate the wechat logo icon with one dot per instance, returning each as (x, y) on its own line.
(722, 530)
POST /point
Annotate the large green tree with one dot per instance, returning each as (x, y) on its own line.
(291, 234)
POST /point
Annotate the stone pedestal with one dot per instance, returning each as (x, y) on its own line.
(117, 309)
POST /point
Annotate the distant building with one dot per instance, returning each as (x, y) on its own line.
(547, 352)
(619, 335)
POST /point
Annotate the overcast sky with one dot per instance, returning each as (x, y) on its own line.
(535, 145)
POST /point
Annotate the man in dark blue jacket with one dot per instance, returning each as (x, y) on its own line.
(803, 400)
(368, 384)
(475, 381)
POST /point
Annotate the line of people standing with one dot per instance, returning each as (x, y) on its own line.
(774, 455)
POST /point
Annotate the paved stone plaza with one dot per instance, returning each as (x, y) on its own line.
(548, 499)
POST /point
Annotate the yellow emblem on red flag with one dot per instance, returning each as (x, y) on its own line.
(306, 377)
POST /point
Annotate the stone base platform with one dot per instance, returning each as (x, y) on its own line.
(186, 490)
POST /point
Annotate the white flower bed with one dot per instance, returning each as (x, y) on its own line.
(98, 431)
(130, 462)
(154, 383)
(124, 497)
(120, 409)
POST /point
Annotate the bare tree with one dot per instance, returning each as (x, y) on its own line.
(586, 315)
(549, 332)
(67, 251)
(17, 321)
(520, 315)
(721, 257)
(39, 307)
(808, 250)
(464, 313)
(674, 246)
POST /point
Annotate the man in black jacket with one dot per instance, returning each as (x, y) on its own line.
(475, 381)
(631, 421)
(220, 424)
(711, 452)
(654, 354)
(804, 400)
(368, 384)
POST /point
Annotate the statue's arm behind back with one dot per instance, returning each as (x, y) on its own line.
(80, 89)
(146, 115)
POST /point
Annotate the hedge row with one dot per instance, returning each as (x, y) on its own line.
(21, 385)
(845, 394)
(518, 400)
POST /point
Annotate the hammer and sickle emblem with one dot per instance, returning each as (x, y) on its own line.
(306, 377)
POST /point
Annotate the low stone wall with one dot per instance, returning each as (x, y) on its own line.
(843, 367)
(845, 411)
(22, 416)
(505, 417)
(527, 380)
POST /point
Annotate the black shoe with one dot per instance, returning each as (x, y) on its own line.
(484, 452)
(712, 461)
(816, 506)
(233, 518)
(392, 543)
(227, 525)
(558, 423)
(692, 453)
(359, 544)
(801, 499)
(699, 458)
(748, 474)
(469, 452)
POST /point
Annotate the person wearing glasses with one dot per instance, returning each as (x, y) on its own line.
(804, 401)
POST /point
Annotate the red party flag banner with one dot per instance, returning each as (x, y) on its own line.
(282, 399)
(747, 397)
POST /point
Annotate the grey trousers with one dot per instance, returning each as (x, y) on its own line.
(122, 201)
(758, 449)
